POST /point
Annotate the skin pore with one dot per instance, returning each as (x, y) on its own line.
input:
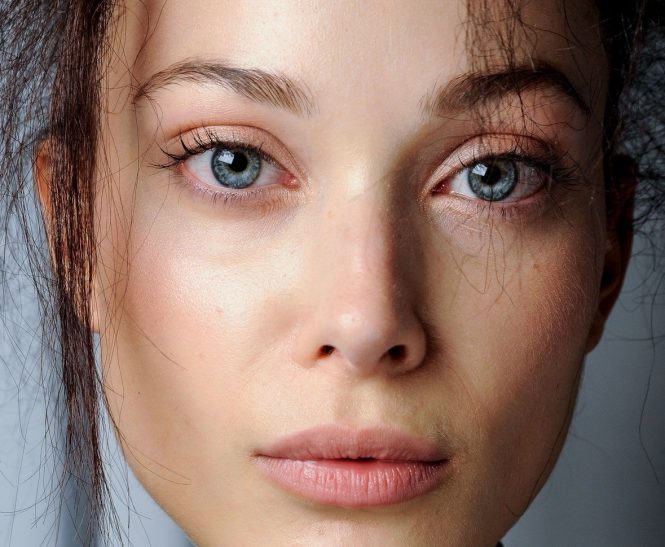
(359, 281)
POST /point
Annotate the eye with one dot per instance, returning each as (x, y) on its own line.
(497, 179)
(233, 167)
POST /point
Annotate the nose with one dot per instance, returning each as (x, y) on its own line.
(361, 294)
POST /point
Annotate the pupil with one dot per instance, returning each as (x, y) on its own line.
(239, 162)
(492, 176)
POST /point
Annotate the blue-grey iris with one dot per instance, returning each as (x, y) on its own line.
(235, 168)
(493, 180)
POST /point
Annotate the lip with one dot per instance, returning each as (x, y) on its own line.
(354, 468)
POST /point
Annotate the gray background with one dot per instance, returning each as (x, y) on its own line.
(608, 488)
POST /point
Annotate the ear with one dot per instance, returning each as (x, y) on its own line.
(620, 201)
(43, 180)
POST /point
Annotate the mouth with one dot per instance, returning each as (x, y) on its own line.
(343, 467)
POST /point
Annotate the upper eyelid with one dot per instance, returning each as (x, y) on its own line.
(488, 146)
(209, 146)
(517, 157)
(484, 147)
(212, 141)
(473, 149)
(268, 146)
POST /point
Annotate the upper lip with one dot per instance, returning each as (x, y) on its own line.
(335, 442)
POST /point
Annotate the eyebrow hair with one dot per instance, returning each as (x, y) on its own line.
(469, 90)
(255, 84)
(274, 88)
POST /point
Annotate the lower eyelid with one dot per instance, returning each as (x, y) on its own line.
(260, 202)
(458, 212)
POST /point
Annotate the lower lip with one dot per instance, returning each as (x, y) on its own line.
(353, 483)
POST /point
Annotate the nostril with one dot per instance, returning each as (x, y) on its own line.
(326, 350)
(397, 353)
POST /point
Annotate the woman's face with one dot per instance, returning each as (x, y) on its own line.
(356, 214)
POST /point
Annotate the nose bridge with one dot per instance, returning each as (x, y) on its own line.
(362, 309)
(361, 235)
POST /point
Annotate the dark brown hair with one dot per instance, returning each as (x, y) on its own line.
(50, 71)
(52, 55)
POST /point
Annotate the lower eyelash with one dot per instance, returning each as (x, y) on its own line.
(262, 200)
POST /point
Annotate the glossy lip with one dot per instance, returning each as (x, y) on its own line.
(354, 468)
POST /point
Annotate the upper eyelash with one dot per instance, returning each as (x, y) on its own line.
(209, 142)
(550, 162)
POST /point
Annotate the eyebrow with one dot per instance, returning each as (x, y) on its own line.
(276, 89)
(469, 90)
(258, 85)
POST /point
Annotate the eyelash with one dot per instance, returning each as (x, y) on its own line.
(206, 139)
(211, 141)
(550, 163)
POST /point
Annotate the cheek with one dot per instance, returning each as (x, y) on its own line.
(189, 321)
(522, 313)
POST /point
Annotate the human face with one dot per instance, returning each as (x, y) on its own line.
(365, 279)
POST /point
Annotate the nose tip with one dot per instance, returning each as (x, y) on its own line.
(364, 337)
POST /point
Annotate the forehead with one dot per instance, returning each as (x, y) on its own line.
(370, 55)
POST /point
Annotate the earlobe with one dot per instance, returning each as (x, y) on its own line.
(620, 200)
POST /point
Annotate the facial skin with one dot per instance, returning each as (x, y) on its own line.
(226, 325)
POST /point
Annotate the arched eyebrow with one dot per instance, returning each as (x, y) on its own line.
(253, 83)
(470, 90)
(281, 91)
